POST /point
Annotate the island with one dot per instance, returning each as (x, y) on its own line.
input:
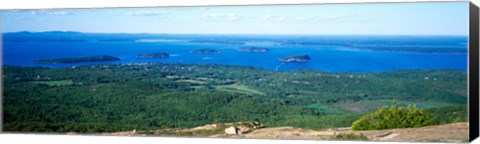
(297, 58)
(154, 55)
(253, 49)
(206, 51)
(98, 58)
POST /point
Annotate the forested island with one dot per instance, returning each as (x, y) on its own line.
(154, 55)
(296, 58)
(98, 58)
(253, 49)
(152, 96)
(206, 51)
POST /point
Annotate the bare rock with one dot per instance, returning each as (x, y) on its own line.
(205, 127)
(242, 129)
(231, 130)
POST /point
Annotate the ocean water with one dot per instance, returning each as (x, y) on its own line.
(328, 53)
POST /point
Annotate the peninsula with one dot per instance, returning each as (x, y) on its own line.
(98, 58)
(253, 49)
(206, 51)
(154, 55)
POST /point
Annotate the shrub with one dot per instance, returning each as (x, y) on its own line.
(350, 136)
(394, 116)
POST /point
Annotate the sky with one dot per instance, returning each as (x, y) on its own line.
(426, 18)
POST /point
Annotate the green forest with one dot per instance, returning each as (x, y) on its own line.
(148, 96)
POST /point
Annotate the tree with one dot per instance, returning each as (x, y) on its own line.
(395, 116)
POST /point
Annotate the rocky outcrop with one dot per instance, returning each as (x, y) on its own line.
(231, 130)
(236, 130)
(454, 132)
(283, 133)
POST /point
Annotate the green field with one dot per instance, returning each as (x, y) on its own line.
(236, 88)
(327, 109)
(192, 81)
(55, 83)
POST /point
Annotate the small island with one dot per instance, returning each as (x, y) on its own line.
(154, 55)
(98, 58)
(253, 49)
(206, 51)
(297, 58)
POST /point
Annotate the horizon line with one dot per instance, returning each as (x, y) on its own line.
(309, 34)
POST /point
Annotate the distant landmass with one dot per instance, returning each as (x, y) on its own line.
(206, 51)
(410, 44)
(422, 52)
(154, 55)
(296, 58)
(253, 49)
(98, 58)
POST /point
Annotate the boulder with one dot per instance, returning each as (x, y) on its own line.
(242, 129)
(205, 127)
(257, 125)
(231, 130)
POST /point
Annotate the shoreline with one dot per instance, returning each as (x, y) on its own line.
(273, 70)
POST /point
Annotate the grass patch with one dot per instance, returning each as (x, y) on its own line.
(308, 92)
(197, 87)
(192, 81)
(326, 109)
(349, 136)
(198, 133)
(172, 77)
(56, 83)
(236, 88)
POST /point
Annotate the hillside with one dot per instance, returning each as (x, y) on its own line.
(144, 96)
(99, 58)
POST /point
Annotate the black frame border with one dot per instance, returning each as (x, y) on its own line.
(473, 75)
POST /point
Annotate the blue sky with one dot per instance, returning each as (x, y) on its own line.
(434, 18)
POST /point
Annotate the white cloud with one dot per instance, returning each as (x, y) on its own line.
(272, 17)
(283, 18)
(341, 18)
(303, 18)
(58, 13)
(148, 13)
(49, 12)
(182, 8)
(228, 16)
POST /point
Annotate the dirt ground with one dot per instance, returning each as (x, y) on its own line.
(454, 132)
